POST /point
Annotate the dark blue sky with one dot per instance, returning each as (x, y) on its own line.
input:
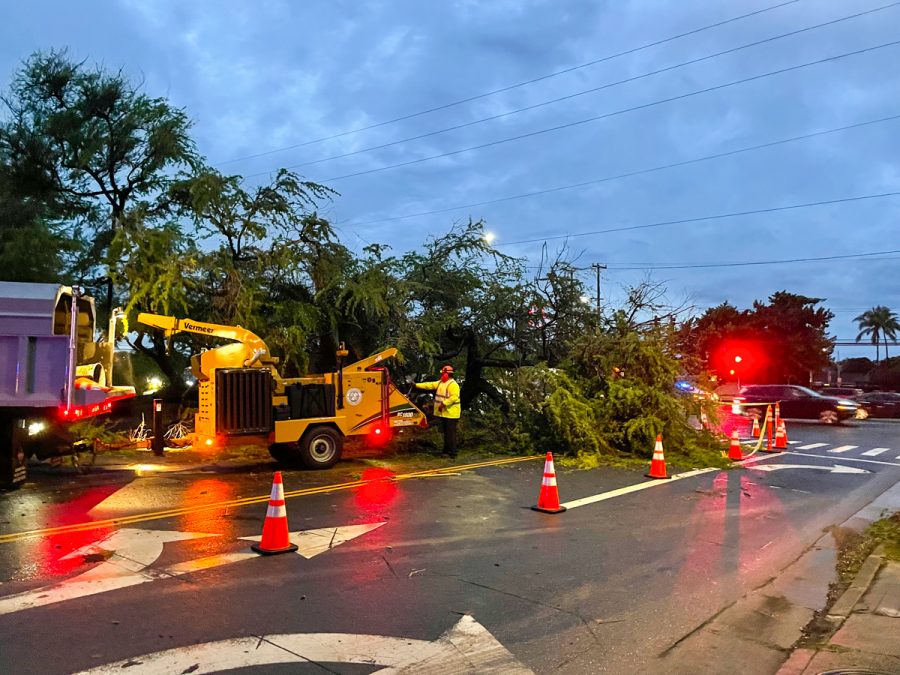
(256, 77)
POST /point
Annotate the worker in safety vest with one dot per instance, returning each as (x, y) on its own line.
(446, 406)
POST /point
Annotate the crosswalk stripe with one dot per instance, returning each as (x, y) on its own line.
(874, 452)
(812, 446)
(843, 448)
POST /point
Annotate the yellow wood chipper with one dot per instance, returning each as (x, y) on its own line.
(241, 393)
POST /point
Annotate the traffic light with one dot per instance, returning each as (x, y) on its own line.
(737, 359)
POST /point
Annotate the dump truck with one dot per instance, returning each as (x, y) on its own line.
(53, 373)
(304, 419)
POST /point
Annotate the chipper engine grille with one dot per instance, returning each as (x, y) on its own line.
(243, 401)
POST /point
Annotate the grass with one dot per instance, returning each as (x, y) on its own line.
(852, 550)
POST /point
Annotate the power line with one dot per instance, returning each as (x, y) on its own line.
(686, 266)
(614, 113)
(630, 174)
(583, 92)
(510, 87)
(718, 216)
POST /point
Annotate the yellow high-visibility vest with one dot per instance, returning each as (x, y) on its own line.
(446, 393)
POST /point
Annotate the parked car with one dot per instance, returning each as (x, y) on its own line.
(796, 402)
(880, 404)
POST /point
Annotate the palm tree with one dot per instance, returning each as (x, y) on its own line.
(881, 323)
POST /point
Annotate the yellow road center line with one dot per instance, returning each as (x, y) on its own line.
(245, 501)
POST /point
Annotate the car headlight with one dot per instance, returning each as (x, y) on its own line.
(36, 428)
(846, 405)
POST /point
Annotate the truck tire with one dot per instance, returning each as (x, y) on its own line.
(320, 447)
(285, 453)
(12, 454)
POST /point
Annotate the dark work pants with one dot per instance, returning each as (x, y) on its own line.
(448, 429)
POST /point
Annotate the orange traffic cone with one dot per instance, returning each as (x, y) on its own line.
(548, 499)
(658, 463)
(755, 431)
(734, 450)
(275, 535)
(781, 439)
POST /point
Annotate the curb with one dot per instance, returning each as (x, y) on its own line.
(857, 589)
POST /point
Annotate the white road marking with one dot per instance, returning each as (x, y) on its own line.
(837, 468)
(467, 647)
(313, 542)
(874, 452)
(793, 442)
(633, 488)
(812, 446)
(843, 448)
(131, 550)
(846, 459)
(134, 550)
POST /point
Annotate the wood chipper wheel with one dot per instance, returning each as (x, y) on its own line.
(320, 447)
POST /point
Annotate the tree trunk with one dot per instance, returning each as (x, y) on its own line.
(472, 383)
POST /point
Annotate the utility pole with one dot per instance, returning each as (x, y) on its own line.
(598, 267)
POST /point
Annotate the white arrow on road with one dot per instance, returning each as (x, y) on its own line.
(837, 468)
(130, 552)
(467, 647)
(313, 542)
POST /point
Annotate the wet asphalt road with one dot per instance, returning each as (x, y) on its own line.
(606, 587)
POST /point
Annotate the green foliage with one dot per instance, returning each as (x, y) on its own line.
(95, 430)
(90, 146)
(607, 402)
(887, 533)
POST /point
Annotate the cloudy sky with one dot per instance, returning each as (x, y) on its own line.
(275, 83)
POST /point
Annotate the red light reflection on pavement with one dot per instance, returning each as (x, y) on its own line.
(761, 504)
(213, 520)
(42, 556)
(705, 532)
(727, 532)
(379, 491)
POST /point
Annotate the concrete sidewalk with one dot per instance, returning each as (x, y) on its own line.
(756, 635)
(866, 619)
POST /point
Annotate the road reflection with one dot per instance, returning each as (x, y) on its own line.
(213, 520)
(731, 524)
(43, 556)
